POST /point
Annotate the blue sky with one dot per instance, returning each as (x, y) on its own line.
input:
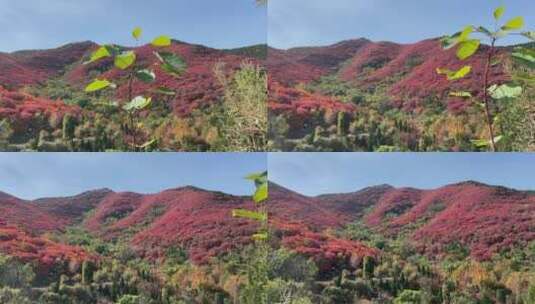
(318, 173)
(36, 24)
(321, 22)
(36, 175)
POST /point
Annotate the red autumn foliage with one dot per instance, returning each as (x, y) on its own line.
(486, 219)
(32, 67)
(27, 215)
(301, 107)
(328, 252)
(197, 88)
(42, 252)
(303, 65)
(365, 64)
(26, 112)
(301, 103)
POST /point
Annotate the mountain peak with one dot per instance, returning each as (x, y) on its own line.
(471, 183)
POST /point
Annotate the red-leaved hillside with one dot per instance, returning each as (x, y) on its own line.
(27, 113)
(409, 70)
(42, 252)
(196, 88)
(485, 219)
(36, 66)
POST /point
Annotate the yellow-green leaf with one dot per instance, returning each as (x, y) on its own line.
(463, 94)
(514, 24)
(125, 60)
(454, 75)
(258, 178)
(461, 73)
(136, 33)
(148, 144)
(98, 85)
(252, 215)
(485, 143)
(468, 48)
(498, 13)
(260, 236)
(161, 41)
(261, 193)
(164, 91)
(101, 52)
(465, 34)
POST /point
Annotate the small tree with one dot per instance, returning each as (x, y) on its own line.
(126, 60)
(257, 271)
(244, 121)
(467, 46)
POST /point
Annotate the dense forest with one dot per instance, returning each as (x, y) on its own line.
(462, 243)
(454, 93)
(165, 95)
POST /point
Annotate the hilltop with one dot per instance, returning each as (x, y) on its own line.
(362, 95)
(38, 88)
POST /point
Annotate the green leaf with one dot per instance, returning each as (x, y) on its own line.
(261, 193)
(98, 85)
(514, 24)
(461, 94)
(468, 48)
(162, 41)
(252, 215)
(485, 143)
(455, 75)
(101, 52)
(260, 236)
(461, 73)
(171, 63)
(125, 60)
(148, 144)
(164, 91)
(113, 49)
(530, 35)
(504, 91)
(524, 54)
(138, 103)
(146, 76)
(498, 13)
(108, 104)
(136, 33)
(448, 42)
(465, 34)
(260, 177)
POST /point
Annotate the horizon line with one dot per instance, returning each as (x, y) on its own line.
(182, 187)
(329, 44)
(174, 40)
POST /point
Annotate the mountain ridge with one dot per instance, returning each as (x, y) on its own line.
(487, 219)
